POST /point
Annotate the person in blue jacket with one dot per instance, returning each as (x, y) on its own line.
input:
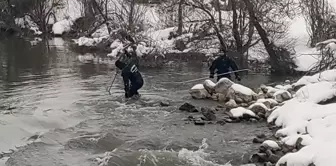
(222, 65)
(131, 75)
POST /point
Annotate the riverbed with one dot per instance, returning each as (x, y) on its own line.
(55, 110)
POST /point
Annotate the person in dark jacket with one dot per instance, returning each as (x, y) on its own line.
(222, 64)
(132, 78)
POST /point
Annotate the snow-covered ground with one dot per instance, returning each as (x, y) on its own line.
(302, 117)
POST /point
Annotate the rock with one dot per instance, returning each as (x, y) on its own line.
(272, 144)
(262, 135)
(188, 108)
(298, 143)
(209, 86)
(286, 148)
(258, 140)
(267, 114)
(248, 117)
(241, 94)
(268, 91)
(287, 81)
(223, 85)
(282, 95)
(268, 164)
(248, 165)
(190, 118)
(221, 122)
(240, 111)
(164, 104)
(244, 105)
(272, 103)
(199, 122)
(231, 104)
(274, 158)
(261, 95)
(209, 114)
(258, 108)
(258, 158)
(222, 98)
(199, 92)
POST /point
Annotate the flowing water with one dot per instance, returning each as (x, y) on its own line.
(54, 110)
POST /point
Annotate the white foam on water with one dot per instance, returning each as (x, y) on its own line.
(198, 158)
(193, 158)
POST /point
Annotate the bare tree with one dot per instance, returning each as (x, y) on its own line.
(279, 57)
(41, 11)
(180, 17)
(319, 16)
(207, 9)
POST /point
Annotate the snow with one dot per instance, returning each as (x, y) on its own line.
(89, 42)
(243, 89)
(198, 87)
(302, 117)
(271, 101)
(258, 104)
(115, 44)
(115, 51)
(271, 144)
(316, 92)
(26, 22)
(101, 32)
(278, 95)
(72, 9)
(240, 111)
(328, 75)
(61, 27)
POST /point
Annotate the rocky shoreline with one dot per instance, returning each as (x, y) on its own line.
(238, 103)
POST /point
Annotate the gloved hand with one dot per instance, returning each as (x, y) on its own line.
(238, 78)
(211, 76)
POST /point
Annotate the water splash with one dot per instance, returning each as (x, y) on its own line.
(199, 157)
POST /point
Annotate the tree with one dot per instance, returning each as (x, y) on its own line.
(41, 11)
(277, 54)
(208, 9)
(180, 17)
(320, 19)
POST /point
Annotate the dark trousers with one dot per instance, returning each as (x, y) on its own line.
(135, 86)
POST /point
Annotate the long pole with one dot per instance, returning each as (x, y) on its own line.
(208, 77)
(109, 89)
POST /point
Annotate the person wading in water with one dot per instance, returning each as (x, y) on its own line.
(222, 64)
(129, 65)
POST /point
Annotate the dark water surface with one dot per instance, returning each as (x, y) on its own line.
(54, 110)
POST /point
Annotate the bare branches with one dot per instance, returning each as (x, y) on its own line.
(319, 16)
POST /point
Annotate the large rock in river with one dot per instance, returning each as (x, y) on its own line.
(241, 94)
(282, 95)
(209, 86)
(199, 92)
(223, 85)
(226, 90)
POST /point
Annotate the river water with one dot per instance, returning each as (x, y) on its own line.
(54, 110)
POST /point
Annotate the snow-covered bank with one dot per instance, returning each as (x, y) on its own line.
(303, 118)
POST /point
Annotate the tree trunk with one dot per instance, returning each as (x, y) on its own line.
(219, 16)
(236, 34)
(180, 18)
(130, 17)
(100, 10)
(263, 35)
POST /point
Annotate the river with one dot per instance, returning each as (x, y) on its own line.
(54, 110)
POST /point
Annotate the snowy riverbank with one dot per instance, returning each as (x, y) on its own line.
(303, 112)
